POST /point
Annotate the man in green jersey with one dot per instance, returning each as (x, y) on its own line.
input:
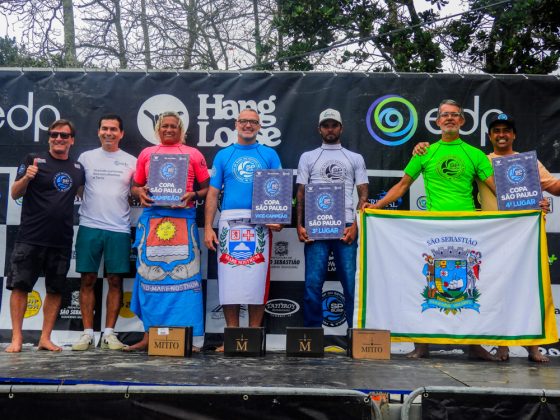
(449, 169)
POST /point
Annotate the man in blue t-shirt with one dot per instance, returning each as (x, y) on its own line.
(242, 247)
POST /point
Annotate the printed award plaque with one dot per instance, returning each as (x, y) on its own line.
(272, 196)
(324, 210)
(518, 184)
(167, 180)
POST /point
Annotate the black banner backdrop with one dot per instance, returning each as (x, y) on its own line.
(384, 116)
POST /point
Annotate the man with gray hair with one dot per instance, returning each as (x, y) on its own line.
(330, 163)
(449, 169)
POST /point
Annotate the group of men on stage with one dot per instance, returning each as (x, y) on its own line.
(48, 182)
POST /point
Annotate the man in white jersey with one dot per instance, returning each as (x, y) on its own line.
(330, 163)
(104, 228)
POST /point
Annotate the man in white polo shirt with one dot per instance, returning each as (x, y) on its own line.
(104, 228)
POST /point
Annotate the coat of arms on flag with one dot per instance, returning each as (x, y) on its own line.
(451, 275)
(242, 245)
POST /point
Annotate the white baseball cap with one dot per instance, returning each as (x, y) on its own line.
(330, 114)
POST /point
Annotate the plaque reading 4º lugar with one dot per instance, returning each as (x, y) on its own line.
(518, 185)
(167, 180)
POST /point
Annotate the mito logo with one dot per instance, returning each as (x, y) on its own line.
(150, 110)
(21, 117)
(392, 120)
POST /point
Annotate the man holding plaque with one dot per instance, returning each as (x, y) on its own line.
(242, 247)
(502, 133)
(104, 228)
(449, 169)
(168, 287)
(330, 163)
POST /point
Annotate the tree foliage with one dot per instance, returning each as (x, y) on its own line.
(521, 36)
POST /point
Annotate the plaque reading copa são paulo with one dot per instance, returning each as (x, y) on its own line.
(272, 196)
(167, 180)
(518, 184)
(324, 210)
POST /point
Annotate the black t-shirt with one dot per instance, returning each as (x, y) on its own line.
(47, 215)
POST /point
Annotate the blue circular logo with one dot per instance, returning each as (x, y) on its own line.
(516, 173)
(392, 120)
(333, 308)
(62, 181)
(325, 202)
(272, 187)
(421, 202)
(168, 170)
(244, 167)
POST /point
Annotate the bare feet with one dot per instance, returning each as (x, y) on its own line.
(195, 349)
(15, 346)
(477, 352)
(219, 349)
(142, 345)
(536, 356)
(503, 353)
(46, 344)
(421, 350)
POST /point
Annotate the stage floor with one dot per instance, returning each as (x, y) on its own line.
(334, 371)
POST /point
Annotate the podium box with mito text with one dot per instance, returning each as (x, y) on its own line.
(369, 344)
(170, 341)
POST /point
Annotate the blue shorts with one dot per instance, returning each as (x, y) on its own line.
(92, 243)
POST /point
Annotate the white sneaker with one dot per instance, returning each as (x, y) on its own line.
(111, 342)
(84, 343)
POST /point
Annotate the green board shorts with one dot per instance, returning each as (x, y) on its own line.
(92, 243)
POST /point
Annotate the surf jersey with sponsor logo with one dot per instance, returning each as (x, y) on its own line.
(449, 170)
(334, 163)
(197, 164)
(47, 214)
(108, 179)
(233, 170)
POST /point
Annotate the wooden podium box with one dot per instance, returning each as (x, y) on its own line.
(170, 341)
(369, 344)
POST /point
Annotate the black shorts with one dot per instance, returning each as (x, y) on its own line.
(29, 262)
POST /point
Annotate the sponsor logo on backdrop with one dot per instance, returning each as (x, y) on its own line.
(333, 308)
(212, 109)
(451, 274)
(150, 110)
(393, 206)
(72, 311)
(125, 311)
(281, 257)
(421, 202)
(392, 120)
(281, 307)
(34, 304)
(20, 117)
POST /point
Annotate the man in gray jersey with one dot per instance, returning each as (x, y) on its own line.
(330, 163)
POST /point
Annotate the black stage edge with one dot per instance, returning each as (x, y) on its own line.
(276, 386)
